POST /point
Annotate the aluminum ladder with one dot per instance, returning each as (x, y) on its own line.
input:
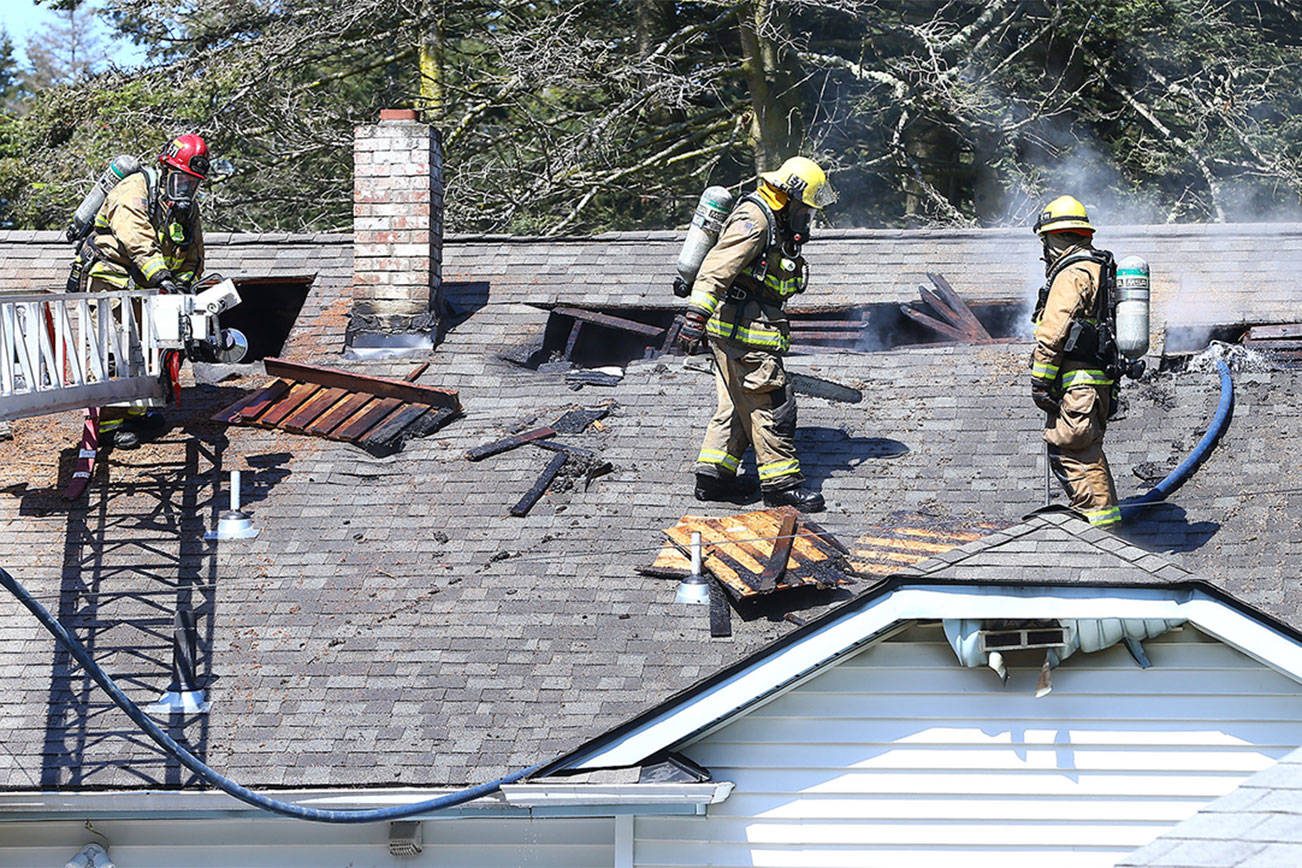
(64, 351)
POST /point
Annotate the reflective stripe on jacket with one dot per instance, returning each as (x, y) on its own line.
(1071, 296)
(130, 248)
(752, 322)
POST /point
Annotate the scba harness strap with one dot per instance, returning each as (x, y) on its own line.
(1090, 338)
(757, 280)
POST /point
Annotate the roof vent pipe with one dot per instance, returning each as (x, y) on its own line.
(182, 695)
(232, 523)
(694, 590)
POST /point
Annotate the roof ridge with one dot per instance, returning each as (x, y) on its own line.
(1063, 523)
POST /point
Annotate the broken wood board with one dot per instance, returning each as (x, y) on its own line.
(910, 538)
(945, 312)
(379, 415)
(736, 550)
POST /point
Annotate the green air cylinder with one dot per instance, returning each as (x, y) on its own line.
(122, 165)
(711, 211)
(1132, 307)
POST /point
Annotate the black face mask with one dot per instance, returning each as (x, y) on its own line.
(177, 218)
(799, 220)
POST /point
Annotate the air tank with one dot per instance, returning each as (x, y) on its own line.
(711, 211)
(1132, 307)
(122, 165)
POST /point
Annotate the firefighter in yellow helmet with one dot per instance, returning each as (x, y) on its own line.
(736, 305)
(1070, 378)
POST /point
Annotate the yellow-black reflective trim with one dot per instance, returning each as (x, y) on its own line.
(1042, 371)
(1103, 517)
(756, 336)
(152, 266)
(774, 469)
(1085, 377)
(704, 302)
(101, 271)
(719, 457)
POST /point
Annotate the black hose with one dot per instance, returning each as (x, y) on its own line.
(221, 782)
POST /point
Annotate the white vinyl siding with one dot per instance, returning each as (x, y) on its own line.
(900, 756)
(264, 843)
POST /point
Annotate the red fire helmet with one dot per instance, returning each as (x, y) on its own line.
(189, 153)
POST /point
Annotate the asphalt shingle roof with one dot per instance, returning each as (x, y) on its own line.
(1258, 825)
(392, 625)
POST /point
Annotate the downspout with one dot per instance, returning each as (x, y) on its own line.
(1177, 477)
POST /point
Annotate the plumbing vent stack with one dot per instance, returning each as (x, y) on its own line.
(183, 695)
(233, 523)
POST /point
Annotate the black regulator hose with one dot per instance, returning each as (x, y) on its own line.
(221, 782)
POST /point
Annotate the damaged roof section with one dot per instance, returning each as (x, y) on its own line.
(376, 414)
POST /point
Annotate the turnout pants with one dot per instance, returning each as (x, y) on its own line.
(756, 408)
(1075, 438)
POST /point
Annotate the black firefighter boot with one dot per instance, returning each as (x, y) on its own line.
(803, 499)
(729, 488)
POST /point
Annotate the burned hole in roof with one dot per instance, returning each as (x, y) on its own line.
(268, 309)
(590, 337)
(887, 326)
(596, 337)
(1243, 346)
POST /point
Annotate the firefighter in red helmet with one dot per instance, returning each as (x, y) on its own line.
(147, 234)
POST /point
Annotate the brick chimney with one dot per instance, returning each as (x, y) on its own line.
(397, 236)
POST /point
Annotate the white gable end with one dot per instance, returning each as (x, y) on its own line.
(900, 756)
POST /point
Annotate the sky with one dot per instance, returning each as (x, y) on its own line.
(23, 17)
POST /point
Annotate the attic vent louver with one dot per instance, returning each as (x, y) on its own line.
(405, 838)
(1017, 639)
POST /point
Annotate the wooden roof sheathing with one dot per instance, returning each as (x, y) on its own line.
(377, 414)
(737, 548)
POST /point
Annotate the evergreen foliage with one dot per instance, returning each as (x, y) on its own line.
(582, 115)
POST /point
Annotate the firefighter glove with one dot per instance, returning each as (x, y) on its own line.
(167, 283)
(1042, 394)
(689, 337)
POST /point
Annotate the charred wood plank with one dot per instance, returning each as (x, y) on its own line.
(374, 414)
(846, 336)
(336, 433)
(720, 611)
(531, 496)
(389, 436)
(573, 339)
(1274, 343)
(777, 564)
(932, 323)
(507, 443)
(674, 573)
(333, 377)
(798, 325)
(958, 305)
(298, 395)
(577, 420)
(312, 410)
(609, 321)
(252, 404)
(553, 446)
(671, 334)
(942, 310)
(1277, 331)
(338, 414)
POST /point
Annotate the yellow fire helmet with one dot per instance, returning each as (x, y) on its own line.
(1064, 214)
(802, 178)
